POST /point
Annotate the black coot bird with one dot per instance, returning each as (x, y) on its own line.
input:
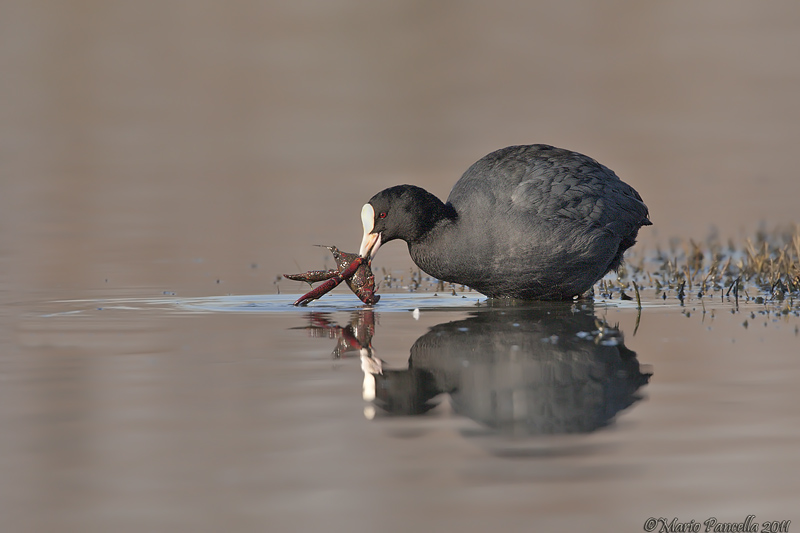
(531, 222)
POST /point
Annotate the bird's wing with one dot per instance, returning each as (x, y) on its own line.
(549, 183)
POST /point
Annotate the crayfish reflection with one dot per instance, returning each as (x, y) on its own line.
(545, 369)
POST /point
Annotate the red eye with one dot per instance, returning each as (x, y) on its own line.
(382, 215)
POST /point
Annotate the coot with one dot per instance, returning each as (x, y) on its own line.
(527, 222)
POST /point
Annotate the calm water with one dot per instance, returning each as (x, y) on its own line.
(206, 413)
(162, 164)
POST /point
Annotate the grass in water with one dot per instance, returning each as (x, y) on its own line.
(764, 266)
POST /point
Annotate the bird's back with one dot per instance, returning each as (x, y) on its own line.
(545, 218)
(547, 183)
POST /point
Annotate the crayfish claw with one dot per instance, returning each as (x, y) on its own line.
(352, 268)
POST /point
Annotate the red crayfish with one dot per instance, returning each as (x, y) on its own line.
(351, 268)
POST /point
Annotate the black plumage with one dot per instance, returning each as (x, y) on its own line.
(530, 222)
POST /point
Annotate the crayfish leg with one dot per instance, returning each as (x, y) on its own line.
(319, 291)
(312, 276)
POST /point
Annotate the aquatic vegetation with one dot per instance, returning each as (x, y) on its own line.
(764, 266)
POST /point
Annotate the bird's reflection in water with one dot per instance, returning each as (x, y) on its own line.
(542, 369)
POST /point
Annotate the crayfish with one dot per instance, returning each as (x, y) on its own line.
(351, 268)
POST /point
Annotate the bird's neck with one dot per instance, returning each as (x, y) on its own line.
(428, 251)
(432, 217)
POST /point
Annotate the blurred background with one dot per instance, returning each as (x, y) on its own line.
(199, 148)
(140, 139)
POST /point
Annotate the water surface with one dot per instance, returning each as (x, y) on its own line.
(211, 412)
